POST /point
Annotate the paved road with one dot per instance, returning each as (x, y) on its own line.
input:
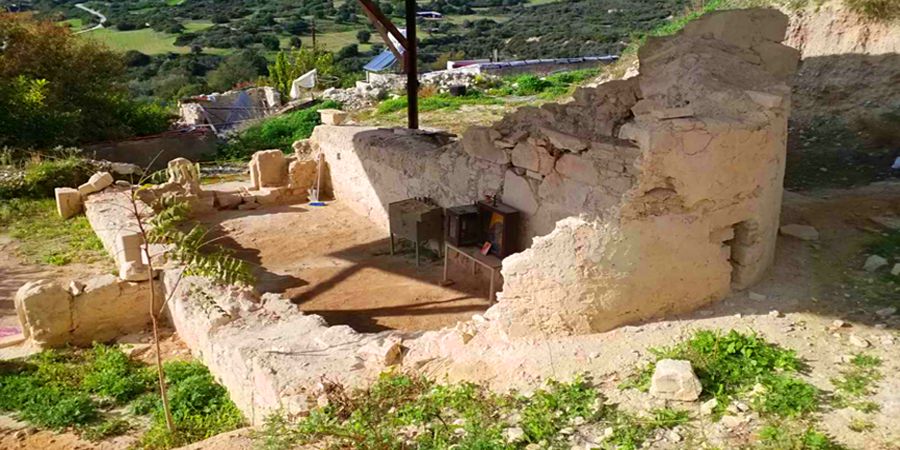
(94, 12)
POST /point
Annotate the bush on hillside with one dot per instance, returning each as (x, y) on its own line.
(57, 89)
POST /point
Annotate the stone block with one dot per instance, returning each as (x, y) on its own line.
(228, 200)
(184, 173)
(302, 174)
(44, 310)
(673, 113)
(128, 247)
(578, 168)
(802, 232)
(133, 271)
(518, 193)
(268, 168)
(564, 141)
(68, 202)
(96, 183)
(333, 116)
(563, 192)
(675, 380)
(527, 156)
(479, 142)
(108, 308)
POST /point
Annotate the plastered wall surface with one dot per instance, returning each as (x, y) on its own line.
(648, 196)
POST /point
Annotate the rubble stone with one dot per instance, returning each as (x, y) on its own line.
(874, 262)
(333, 116)
(96, 183)
(675, 380)
(802, 232)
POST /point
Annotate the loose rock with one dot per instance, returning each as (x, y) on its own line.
(675, 380)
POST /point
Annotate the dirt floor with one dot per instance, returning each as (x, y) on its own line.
(335, 263)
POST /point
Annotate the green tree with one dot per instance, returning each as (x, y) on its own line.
(57, 89)
(363, 36)
(289, 66)
(237, 68)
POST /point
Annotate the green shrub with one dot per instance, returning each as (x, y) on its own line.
(200, 408)
(277, 132)
(731, 364)
(59, 389)
(114, 375)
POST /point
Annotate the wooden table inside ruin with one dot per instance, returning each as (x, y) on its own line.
(489, 262)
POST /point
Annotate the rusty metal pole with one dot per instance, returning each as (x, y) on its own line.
(412, 69)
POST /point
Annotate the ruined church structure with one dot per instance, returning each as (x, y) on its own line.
(642, 197)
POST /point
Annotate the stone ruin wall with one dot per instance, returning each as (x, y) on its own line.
(646, 196)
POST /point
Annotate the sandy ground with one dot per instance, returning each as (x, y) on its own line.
(337, 264)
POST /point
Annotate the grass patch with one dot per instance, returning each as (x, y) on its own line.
(44, 237)
(857, 382)
(404, 411)
(550, 87)
(80, 388)
(732, 364)
(436, 102)
(277, 132)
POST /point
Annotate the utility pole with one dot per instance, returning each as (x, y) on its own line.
(314, 35)
(390, 34)
(412, 67)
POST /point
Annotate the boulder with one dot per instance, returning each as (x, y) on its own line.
(68, 202)
(674, 379)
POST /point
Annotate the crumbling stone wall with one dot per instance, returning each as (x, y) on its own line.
(647, 196)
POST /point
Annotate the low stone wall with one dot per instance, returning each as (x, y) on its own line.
(154, 152)
(650, 196)
(99, 310)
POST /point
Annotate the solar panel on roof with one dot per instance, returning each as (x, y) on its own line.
(381, 62)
